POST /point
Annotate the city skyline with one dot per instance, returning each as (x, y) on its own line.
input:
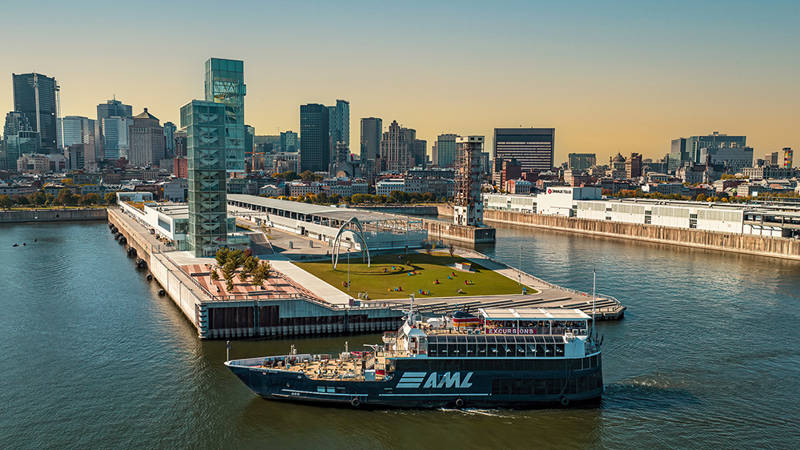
(605, 87)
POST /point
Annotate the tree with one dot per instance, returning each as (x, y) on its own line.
(91, 199)
(110, 198)
(261, 273)
(221, 256)
(701, 197)
(39, 198)
(21, 200)
(64, 197)
(214, 274)
(307, 175)
(6, 202)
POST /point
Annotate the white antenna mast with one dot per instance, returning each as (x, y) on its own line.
(594, 293)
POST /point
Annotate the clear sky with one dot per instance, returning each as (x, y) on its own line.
(609, 76)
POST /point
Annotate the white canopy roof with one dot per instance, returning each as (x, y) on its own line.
(532, 314)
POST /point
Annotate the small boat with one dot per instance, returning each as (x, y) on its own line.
(15, 245)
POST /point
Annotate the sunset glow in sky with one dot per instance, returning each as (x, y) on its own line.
(621, 76)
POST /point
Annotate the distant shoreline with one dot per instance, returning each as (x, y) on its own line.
(52, 215)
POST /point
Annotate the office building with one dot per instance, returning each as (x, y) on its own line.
(397, 148)
(18, 138)
(581, 161)
(75, 156)
(788, 156)
(249, 145)
(445, 150)
(224, 84)
(339, 123)
(371, 133)
(288, 141)
(771, 159)
(633, 166)
(699, 146)
(169, 139)
(146, 140)
(35, 98)
(76, 130)
(532, 147)
(315, 151)
(113, 120)
(678, 155)
(467, 204)
(205, 127)
(420, 152)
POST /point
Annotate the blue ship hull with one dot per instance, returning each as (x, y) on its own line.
(440, 382)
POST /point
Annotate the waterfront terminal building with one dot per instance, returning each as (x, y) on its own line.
(587, 203)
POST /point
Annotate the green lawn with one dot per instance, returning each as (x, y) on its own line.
(388, 272)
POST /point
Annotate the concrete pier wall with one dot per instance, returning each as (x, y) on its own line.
(729, 242)
(449, 231)
(251, 318)
(52, 215)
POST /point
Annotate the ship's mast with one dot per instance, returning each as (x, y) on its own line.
(594, 294)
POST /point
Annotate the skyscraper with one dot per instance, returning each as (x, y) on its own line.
(289, 141)
(35, 98)
(532, 147)
(225, 84)
(112, 139)
(397, 148)
(445, 150)
(205, 127)
(314, 137)
(169, 139)
(75, 130)
(371, 131)
(146, 140)
(788, 156)
(339, 123)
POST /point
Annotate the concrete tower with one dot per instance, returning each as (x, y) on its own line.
(468, 207)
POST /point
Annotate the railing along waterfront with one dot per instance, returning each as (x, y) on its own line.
(599, 296)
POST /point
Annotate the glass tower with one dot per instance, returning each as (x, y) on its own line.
(225, 84)
(205, 126)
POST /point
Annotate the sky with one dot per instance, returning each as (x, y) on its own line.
(610, 77)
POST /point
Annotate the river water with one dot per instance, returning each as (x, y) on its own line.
(90, 356)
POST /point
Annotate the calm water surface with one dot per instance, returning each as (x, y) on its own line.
(90, 356)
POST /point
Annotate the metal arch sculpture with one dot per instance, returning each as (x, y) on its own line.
(337, 242)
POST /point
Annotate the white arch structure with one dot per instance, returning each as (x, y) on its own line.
(337, 241)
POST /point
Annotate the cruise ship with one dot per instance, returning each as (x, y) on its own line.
(494, 358)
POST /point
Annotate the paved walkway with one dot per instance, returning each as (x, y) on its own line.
(318, 287)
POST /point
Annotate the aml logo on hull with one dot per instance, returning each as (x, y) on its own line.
(413, 380)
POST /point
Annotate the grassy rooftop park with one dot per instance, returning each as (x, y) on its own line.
(398, 276)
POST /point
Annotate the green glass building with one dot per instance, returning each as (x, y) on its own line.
(225, 84)
(205, 127)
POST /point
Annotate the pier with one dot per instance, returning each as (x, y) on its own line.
(295, 302)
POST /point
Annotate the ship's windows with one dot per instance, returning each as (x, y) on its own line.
(472, 348)
(531, 350)
(549, 350)
(559, 350)
(540, 350)
(433, 349)
(443, 349)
